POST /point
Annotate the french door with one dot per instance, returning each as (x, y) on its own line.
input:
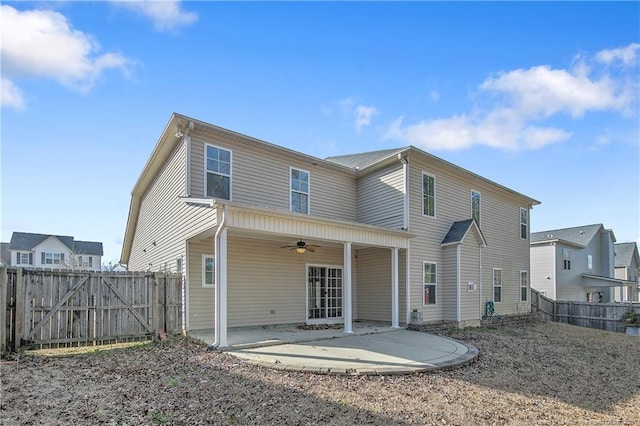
(324, 294)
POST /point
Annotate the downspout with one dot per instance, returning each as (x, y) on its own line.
(480, 286)
(216, 257)
(405, 227)
(458, 251)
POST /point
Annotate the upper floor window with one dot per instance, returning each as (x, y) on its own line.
(590, 262)
(52, 258)
(218, 172)
(208, 271)
(524, 286)
(429, 287)
(475, 206)
(24, 258)
(428, 195)
(524, 223)
(179, 265)
(85, 261)
(299, 183)
(497, 285)
(566, 259)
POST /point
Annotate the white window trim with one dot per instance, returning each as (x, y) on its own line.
(479, 204)
(526, 212)
(590, 262)
(435, 195)
(21, 254)
(221, 174)
(425, 262)
(204, 275)
(308, 190)
(521, 286)
(493, 285)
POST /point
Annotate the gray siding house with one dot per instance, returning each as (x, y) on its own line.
(574, 264)
(265, 235)
(627, 269)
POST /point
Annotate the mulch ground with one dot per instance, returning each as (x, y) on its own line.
(541, 373)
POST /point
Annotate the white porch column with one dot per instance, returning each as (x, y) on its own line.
(395, 323)
(346, 280)
(221, 290)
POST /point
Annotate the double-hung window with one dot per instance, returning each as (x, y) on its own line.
(52, 258)
(524, 286)
(299, 182)
(497, 285)
(475, 206)
(208, 271)
(85, 261)
(429, 287)
(524, 223)
(24, 258)
(566, 259)
(218, 172)
(428, 195)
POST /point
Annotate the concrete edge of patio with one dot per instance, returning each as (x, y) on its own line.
(465, 359)
(379, 353)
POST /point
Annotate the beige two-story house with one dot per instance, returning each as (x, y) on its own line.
(265, 235)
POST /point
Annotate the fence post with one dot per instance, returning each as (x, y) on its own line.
(155, 310)
(21, 295)
(3, 309)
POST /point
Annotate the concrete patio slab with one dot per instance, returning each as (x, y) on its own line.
(390, 352)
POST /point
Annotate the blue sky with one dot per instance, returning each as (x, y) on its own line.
(539, 97)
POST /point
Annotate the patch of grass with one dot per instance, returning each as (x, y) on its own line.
(160, 417)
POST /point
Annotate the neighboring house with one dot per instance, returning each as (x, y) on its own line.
(574, 264)
(265, 235)
(628, 270)
(54, 251)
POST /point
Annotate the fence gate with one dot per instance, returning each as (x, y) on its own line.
(67, 308)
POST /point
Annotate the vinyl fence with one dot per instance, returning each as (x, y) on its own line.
(603, 316)
(52, 308)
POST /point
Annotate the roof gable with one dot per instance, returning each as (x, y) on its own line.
(625, 253)
(579, 235)
(364, 159)
(459, 230)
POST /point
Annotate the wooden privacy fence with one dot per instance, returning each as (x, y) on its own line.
(58, 308)
(603, 316)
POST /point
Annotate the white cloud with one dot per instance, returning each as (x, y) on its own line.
(42, 44)
(10, 95)
(360, 114)
(363, 116)
(627, 55)
(513, 106)
(166, 15)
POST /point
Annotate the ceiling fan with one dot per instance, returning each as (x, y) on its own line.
(302, 247)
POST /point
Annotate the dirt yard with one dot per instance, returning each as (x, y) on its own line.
(538, 374)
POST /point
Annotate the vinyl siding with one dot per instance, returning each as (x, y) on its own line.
(381, 198)
(448, 286)
(500, 217)
(543, 266)
(471, 303)
(261, 178)
(262, 278)
(374, 284)
(166, 219)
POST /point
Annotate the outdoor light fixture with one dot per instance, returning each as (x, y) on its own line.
(301, 250)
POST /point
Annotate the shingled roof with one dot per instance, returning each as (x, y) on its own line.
(459, 230)
(359, 161)
(27, 241)
(579, 235)
(624, 254)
